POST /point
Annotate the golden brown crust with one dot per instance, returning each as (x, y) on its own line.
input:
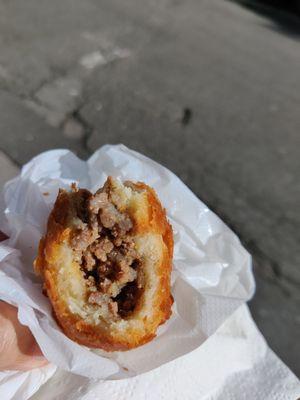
(76, 328)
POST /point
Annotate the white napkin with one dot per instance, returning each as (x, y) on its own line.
(233, 364)
(212, 274)
(212, 271)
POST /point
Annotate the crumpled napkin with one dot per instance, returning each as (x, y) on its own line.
(235, 363)
(212, 273)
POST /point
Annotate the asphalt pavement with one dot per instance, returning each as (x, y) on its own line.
(210, 89)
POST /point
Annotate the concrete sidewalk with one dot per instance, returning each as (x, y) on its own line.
(209, 89)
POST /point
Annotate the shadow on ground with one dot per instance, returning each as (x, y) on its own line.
(285, 14)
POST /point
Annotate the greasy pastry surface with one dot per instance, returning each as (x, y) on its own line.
(106, 261)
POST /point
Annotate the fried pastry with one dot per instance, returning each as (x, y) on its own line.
(106, 262)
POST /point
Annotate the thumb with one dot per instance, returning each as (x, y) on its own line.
(18, 348)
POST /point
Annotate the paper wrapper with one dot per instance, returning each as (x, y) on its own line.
(235, 363)
(211, 276)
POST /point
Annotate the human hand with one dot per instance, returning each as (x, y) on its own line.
(18, 348)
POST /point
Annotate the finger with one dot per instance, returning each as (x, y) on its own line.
(19, 350)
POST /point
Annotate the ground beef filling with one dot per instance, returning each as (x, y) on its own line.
(107, 255)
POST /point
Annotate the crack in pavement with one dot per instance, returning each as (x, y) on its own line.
(88, 129)
(14, 161)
